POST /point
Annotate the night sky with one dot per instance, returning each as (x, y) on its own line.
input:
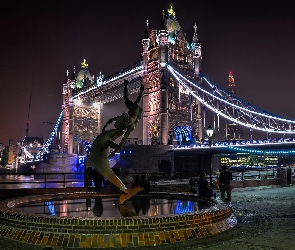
(40, 40)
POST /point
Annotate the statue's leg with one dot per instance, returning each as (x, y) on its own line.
(103, 167)
(129, 193)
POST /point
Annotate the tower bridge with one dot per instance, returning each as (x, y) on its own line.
(176, 95)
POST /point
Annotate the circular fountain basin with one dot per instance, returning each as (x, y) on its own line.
(89, 220)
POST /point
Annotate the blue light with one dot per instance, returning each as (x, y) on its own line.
(183, 207)
(50, 206)
(269, 152)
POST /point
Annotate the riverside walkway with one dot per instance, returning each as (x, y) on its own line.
(266, 221)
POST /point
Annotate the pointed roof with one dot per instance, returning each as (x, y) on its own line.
(67, 77)
(163, 21)
(83, 74)
(73, 76)
(146, 32)
(195, 38)
(171, 12)
(171, 23)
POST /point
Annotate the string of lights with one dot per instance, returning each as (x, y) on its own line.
(267, 152)
(110, 81)
(48, 143)
(266, 114)
(277, 124)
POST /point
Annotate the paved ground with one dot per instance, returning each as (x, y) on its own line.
(266, 221)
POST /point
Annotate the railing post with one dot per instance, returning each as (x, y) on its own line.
(64, 180)
(259, 174)
(242, 174)
(154, 177)
(181, 176)
(45, 181)
(273, 173)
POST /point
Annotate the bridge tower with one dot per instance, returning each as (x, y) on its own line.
(66, 109)
(168, 110)
(233, 131)
(81, 117)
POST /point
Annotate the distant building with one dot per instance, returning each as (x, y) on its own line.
(233, 131)
(2, 152)
(28, 148)
(11, 152)
(2, 147)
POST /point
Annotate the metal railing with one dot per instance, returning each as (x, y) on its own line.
(10, 180)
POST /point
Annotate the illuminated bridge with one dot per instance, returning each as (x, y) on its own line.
(175, 101)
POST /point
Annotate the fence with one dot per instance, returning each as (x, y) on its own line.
(12, 180)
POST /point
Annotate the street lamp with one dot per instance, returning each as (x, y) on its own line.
(210, 135)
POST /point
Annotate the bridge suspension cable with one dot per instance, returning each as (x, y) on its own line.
(117, 77)
(232, 108)
(46, 145)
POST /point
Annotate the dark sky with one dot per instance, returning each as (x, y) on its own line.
(40, 40)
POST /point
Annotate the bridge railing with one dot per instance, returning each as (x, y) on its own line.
(9, 180)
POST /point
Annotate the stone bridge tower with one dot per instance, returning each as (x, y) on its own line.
(168, 110)
(81, 118)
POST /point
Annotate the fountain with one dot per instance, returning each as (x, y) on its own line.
(109, 232)
(154, 218)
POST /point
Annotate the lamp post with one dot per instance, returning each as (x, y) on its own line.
(210, 136)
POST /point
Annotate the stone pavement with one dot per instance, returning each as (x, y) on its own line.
(266, 221)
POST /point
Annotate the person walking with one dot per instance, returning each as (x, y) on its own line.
(225, 178)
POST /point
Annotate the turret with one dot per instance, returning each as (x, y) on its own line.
(145, 47)
(231, 83)
(73, 79)
(196, 46)
(163, 42)
(67, 95)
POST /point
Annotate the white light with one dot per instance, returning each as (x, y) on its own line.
(179, 78)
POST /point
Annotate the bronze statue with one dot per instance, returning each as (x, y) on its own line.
(131, 118)
(134, 111)
(99, 154)
(101, 147)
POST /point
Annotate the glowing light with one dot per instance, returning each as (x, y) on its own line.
(99, 80)
(269, 152)
(46, 145)
(183, 133)
(84, 64)
(138, 69)
(97, 105)
(78, 102)
(171, 12)
(279, 129)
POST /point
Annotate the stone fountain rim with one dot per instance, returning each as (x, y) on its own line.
(7, 206)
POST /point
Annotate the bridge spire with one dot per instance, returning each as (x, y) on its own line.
(231, 83)
(146, 32)
(84, 65)
(195, 39)
(171, 12)
(73, 76)
(162, 24)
